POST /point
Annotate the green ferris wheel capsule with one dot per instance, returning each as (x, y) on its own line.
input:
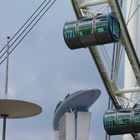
(98, 30)
(123, 121)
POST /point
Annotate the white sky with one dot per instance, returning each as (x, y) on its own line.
(44, 70)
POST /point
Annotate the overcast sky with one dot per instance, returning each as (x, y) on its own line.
(44, 70)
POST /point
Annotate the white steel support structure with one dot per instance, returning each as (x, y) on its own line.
(129, 79)
(112, 88)
(129, 43)
(92, 2)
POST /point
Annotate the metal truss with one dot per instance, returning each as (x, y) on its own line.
(115, 92)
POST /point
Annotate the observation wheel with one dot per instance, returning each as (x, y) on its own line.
(101, 26)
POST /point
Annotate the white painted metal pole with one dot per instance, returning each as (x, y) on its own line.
(88, 3)
(129, 90)
(7, 70)
(130, 81)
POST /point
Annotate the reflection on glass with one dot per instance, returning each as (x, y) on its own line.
(109, 121)
(85, 27)
(124, 118)
(136, 118)
(69, 31)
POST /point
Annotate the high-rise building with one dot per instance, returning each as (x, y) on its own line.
(71, 117)
(74, 126)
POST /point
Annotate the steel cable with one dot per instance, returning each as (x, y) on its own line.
(37, 18)
(24, 25)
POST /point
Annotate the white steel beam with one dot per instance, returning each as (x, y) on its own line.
(129, 48)
(89, 3)
(76, 8)
(129, 79)
(111, 87)
(130, 90)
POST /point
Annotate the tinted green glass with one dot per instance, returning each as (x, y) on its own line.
(91, 31)
(136, 118)
(69, 31)
(69, 34)
(85, 28)
(100, 29)
(116, 28)
(109, 121)
(124, 118)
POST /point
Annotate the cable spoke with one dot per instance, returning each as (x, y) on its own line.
(133, 14)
